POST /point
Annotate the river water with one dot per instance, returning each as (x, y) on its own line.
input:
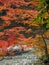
(23, 59)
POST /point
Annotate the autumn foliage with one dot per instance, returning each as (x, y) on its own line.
(17, 26)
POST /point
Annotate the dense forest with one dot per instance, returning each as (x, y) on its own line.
(24, 24)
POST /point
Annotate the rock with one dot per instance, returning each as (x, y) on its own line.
(26, 48)
(9, 48)
(12, 50)
(17, 48)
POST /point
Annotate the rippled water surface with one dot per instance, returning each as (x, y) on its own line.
(24, 59)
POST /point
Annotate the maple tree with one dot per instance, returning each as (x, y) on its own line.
(21, 14)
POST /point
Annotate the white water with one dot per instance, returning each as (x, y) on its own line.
(24, 59)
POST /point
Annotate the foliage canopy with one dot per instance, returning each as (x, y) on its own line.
(43, 17)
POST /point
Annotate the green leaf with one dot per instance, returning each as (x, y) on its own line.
(41, 4)
(47, 26)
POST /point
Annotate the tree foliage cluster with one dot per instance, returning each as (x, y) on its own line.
(43, 17)
(43, 21)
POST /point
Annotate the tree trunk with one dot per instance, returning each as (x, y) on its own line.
(42, 29)
(46, 51)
